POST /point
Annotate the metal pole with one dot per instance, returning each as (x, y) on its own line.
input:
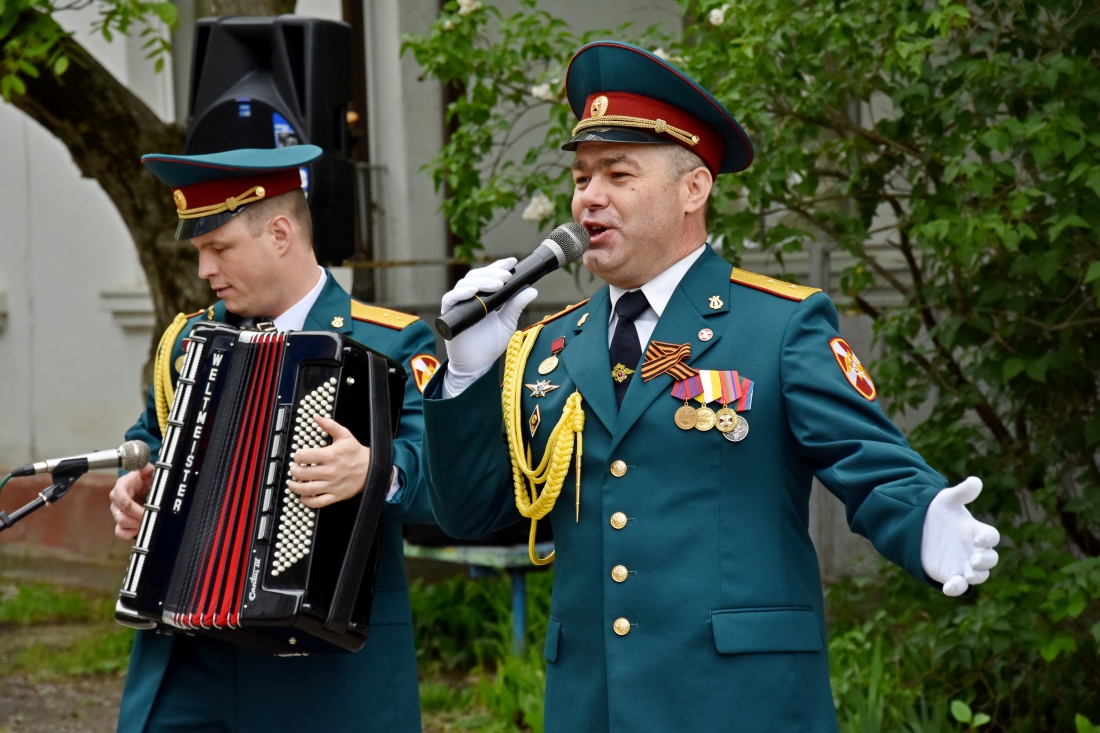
(519, 610)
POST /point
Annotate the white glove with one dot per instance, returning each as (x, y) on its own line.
(956, 549)
(476, 350)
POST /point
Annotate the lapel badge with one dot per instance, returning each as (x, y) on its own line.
(582, 320)
(210, 313)
(535, 421)
(541, 387)
(706, 334)
(619, 373)
(715, 302)
(550, 363)
(338, 322)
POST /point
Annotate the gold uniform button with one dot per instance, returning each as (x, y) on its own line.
(621, 626)
(618, 469)
(618, 520)
(619, 573)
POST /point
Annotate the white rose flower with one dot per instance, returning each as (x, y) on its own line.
(543, 92)
(465, 7)
(540, 207)
(448, 24)
(660, 53)
(718, 15)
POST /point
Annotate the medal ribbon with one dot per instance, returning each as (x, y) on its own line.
(744, 401)
(718, 385)
(662, 357)
(685, 389)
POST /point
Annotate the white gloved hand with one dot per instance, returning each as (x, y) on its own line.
(956, 549)
(476, 350)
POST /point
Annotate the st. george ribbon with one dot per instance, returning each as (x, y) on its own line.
(561, 247)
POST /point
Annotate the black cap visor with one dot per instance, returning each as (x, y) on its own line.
(617, 135)
(191, 228)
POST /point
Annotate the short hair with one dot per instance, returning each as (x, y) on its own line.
(681, 161)
(291, 204)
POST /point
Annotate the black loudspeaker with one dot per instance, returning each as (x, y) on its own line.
(275, 82)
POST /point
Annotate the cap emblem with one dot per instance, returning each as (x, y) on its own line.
(599, 106)
(180, 199)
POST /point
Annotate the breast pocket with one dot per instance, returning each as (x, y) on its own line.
(760, 630)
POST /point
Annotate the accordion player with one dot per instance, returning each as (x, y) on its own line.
(225, 548)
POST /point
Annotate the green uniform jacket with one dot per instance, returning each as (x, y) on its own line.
(723, 593)
(376, 688)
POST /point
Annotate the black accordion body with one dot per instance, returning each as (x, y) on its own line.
(225, 548)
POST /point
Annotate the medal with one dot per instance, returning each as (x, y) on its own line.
(686, 417)
(706, 418)
(541, 387)
(740, 430)
(725, 420)
(550, 363)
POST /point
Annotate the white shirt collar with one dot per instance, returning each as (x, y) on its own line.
(294, 319)
(658, 291)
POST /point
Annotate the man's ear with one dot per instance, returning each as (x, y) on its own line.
(282, 232)
(697, 185)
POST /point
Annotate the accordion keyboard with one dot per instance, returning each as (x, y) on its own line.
(294, 536)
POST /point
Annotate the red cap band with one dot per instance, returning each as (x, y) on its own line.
(226, 194)
(622, 109)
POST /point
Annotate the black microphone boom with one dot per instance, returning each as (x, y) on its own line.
(130, 456)
(563, 246)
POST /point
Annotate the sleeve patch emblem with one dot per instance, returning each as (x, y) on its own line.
(424, 367)
(853, 370)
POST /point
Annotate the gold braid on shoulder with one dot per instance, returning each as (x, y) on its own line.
(163, 391)
(551, 471)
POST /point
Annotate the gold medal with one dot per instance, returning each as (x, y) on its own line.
(686, 417)
(740, 430)
(706, 418)
(548, 365)
(725, 420)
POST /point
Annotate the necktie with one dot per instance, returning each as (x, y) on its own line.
(626, 349)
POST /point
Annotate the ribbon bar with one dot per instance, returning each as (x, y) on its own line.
(662, 357)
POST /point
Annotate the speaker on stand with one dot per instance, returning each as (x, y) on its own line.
(275, 82)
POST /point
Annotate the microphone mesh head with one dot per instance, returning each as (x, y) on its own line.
(573, 240)
(135, 455)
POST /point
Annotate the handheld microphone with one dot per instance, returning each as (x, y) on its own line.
(561, 247)
(130, 456)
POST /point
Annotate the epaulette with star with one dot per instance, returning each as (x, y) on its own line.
(556, 316)
(387, 317)
(790, 291)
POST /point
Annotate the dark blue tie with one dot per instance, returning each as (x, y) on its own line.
(626, 348)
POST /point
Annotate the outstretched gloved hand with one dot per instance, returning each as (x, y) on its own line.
(956, 549)
(476, 350)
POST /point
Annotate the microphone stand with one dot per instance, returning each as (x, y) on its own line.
(64, 476)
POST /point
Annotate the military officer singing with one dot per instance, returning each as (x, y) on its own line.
(246, 213)
(670, 428)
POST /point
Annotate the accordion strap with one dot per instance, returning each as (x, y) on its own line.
(163, 390)
(370, 508)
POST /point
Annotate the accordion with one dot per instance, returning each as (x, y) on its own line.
(225, 548)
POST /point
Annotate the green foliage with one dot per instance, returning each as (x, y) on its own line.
(464, 624)
(508, 117)
(950, 152)
(515, 693)
(38, 604)
(106, 651)
(31, 40)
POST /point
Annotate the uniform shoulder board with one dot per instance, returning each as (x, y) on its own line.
(787, 290)
(381, 316)
(557, 315)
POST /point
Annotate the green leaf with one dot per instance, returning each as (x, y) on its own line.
(960, 711)
(981, 719)
(61, 65)
(1037, 369)
(1084, 725)
(1071, 146)
(1013, 367)
(1094, 272)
